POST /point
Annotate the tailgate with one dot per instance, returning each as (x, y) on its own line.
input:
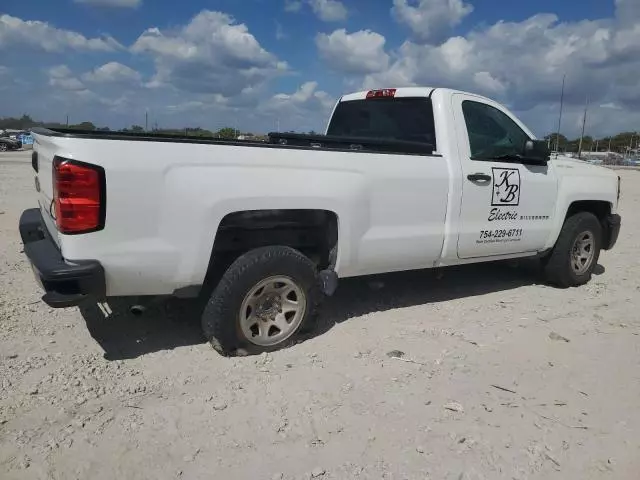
(42, 162)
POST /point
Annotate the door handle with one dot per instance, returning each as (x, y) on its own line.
(479, 177)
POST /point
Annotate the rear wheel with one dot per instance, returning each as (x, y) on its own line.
(263, 301)
(575, 255)
(3, 147)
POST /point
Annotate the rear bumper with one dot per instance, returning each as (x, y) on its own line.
(613, 230)
(65, 283)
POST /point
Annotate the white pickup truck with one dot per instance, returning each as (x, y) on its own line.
(406, 178)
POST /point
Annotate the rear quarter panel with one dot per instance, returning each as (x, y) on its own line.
(166, 200)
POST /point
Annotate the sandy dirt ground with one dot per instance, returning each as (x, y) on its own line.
(500, 377)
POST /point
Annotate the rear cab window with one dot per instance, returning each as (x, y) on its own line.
(403, 118)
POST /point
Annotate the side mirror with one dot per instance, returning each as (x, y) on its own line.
(537, 152)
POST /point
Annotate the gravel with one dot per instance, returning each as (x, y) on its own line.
(398, 382)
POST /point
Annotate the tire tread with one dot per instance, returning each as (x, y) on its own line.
(218, 321)
(556, 266)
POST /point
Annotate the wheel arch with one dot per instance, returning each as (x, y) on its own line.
(313, 232)
(600, 208)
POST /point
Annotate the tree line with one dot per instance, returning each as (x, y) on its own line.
(619, 143)
(26, 122)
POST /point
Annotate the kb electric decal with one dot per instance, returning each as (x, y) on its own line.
(505, 198)
(506, 187)
(505, 193)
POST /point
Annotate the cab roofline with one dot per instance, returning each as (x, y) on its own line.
(400, 92)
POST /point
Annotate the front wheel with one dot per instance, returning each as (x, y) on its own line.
(575, 255)
(3, 147)
(263, 301)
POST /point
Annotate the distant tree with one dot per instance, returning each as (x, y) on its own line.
(227, 133)
(21, 123)
(83, 126)
(137, 128)
(551, 139)
(198, 132)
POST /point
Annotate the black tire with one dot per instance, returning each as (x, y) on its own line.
(557, 265)
(221, 316)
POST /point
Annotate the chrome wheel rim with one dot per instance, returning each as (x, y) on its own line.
(3, 147)
(583, 252)
(272, 311)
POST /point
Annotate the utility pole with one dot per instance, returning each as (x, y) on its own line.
(609, 144)
(67, 119)
(560, 118)
(584, 122)
(146, 120)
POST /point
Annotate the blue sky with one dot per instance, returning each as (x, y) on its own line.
(254, 63)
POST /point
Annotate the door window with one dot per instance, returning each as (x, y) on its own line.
(491, 132)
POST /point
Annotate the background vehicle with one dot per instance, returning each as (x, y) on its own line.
(9, 144)
(404, 179)
(631, 162)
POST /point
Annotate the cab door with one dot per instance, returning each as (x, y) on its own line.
(507, 205)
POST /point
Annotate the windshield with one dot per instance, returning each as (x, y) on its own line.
(407, 118)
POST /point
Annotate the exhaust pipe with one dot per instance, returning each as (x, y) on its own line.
(137, 310)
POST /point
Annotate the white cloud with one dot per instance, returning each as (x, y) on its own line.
(356, 53)
(522, 63)
(112, 3)
(628, 11)
(212, 54)
(329, 10)
(59, 71)
(72, 84)
(430, 20)
(41, 35)
(213, 72)
(292, 5)
(280, 35)
(305, 109)
(62, 77)
(112, 72)
(4, 70)
(488, 83)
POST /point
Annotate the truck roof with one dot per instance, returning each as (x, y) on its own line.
(405, 92)
(400, 92)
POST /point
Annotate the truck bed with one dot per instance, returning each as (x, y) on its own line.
(275, 140)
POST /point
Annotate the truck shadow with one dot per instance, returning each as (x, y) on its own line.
(357, 297)
(175, 323)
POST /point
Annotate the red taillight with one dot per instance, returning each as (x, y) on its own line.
(384, 93)
(78, 196)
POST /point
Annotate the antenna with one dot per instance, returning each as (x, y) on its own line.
(560, 118)
(584, 122)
